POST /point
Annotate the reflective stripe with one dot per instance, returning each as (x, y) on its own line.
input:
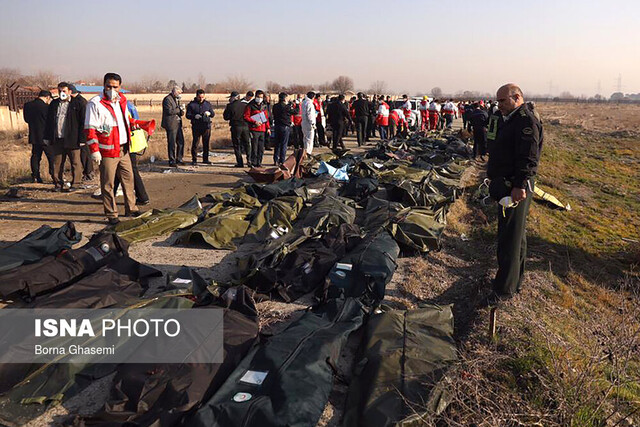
(92, 141)
(106, 147)
(493, 128)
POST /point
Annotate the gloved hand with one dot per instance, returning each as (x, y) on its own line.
(197, 116)
(207, 113)
(96, 157)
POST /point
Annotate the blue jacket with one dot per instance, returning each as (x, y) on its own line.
(195, 108)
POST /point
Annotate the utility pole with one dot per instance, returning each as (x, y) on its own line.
(619, 83)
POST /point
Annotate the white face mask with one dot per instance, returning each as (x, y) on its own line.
(63, 96)
(259, 100)
(111, 94)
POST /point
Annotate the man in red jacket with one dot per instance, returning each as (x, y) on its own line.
(107, 127)
(257, 115)
(296, 121)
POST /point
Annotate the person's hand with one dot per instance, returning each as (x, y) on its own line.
(96, 157)
(197, 116)
(518, 194)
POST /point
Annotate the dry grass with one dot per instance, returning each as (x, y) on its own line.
(567, 350)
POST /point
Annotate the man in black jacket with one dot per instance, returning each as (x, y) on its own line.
(361, 109)
(35, 114)
(514, 153)
(65, 132)
(85, 152)
(371, 121)
(240, 137)
(200, 112)
(338, 115)
(478, 120)
(282, 113)
(172, 112)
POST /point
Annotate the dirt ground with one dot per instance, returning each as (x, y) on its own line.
(455, 275)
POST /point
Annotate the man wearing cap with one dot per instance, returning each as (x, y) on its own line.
(240, 137)
(65, 132)
(35, 114)
(172, 112)
(424, 114)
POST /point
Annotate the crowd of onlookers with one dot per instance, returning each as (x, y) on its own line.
(61, 128)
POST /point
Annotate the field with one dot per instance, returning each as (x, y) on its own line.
(567, 348)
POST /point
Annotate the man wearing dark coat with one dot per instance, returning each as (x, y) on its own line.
(64, 131)
(35, 114)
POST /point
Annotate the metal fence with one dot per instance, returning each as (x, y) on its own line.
(14, 96)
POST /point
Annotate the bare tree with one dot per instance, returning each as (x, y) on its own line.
(436, 92)
(342, 84)
(9, 75)
(299, 88)
(238, 83)
(379, 87)
(325, 87)
(44, 79)
(202, 82)
(273, 87)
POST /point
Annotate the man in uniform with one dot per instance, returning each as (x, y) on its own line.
(514, 153)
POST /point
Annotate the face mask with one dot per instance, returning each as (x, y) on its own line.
(63, 96)
(111, 94)
(259, 100)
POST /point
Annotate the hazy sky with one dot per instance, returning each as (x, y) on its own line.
(412, 45)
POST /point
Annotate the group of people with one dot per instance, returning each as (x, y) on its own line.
(89, 134)
(306, 121)
(56, 129)
(312, 120)
(99, 132)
